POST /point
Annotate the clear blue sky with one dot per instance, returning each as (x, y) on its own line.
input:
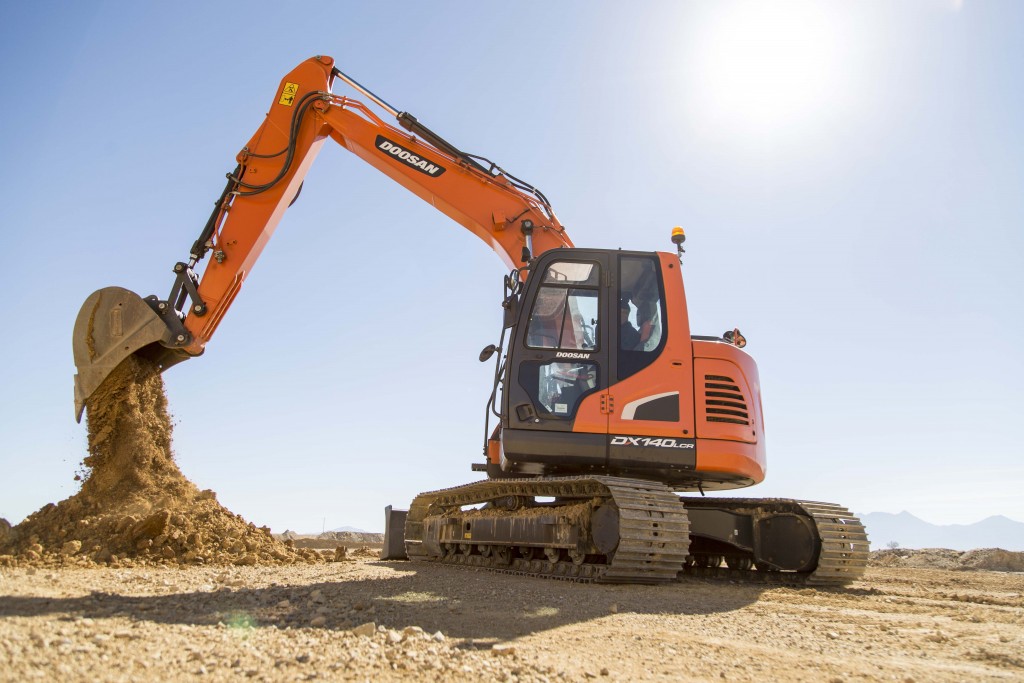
(849, 175)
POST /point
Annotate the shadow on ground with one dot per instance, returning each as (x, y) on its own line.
(460, 603)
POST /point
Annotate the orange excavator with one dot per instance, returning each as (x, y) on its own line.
(605, 405)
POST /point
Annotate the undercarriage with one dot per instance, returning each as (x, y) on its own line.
(616, 530)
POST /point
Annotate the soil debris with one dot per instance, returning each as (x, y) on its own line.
(135, 506)
(389, 621)
(991, 559)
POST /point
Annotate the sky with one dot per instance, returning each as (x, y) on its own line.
(849, 176)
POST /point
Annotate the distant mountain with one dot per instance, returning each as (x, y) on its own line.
(910, 532)
(354, 530)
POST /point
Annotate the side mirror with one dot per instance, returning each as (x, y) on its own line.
(511, 306)
(488, 351)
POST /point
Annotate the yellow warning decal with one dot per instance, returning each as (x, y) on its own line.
(288, 96)
(467, 535)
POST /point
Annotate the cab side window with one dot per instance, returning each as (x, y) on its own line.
(641, 321)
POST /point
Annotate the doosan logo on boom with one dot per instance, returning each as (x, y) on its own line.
(408, 158)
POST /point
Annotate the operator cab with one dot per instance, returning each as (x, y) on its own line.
(588, 385)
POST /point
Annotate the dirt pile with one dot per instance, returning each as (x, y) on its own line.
(994, 559)
(991, 559)
(135, 505)
(352, 536)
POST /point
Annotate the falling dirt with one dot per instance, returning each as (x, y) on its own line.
(135, 506)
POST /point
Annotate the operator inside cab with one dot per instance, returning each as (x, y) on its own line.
(645, 334)
(629, 336)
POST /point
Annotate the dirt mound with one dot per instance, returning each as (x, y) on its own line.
(991, 559)
(135, 505)
(351, 536)
(994, 559)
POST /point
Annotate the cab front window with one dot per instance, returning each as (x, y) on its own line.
(566, 313)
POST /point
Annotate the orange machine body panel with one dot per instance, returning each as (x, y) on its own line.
(729, 454)
(729, 417)
(671, 373)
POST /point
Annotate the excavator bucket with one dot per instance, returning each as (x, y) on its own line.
(115, 323)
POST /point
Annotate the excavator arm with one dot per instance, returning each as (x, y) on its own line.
(512, 217)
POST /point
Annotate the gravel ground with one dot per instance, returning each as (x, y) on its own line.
(371, 620)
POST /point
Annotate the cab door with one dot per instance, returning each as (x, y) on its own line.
(651, 422)
(558, 365)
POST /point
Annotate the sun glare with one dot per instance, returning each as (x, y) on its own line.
(764, 67)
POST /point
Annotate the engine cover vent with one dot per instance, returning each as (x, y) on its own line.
(724, 401)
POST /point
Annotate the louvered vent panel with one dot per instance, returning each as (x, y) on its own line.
(724, 402)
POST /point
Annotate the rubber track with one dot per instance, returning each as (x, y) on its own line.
(654, 531)
(844, 545)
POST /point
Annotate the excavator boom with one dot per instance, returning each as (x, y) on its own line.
(512, 217)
